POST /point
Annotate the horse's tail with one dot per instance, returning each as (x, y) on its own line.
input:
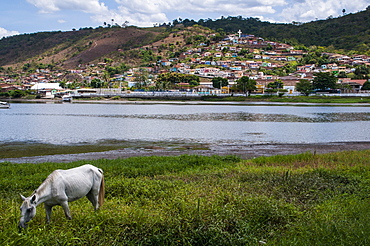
(101, 190)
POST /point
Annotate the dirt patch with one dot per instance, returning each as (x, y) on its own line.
(243, 151)
(110, 42)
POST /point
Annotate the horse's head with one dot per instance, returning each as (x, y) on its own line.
(28, 210)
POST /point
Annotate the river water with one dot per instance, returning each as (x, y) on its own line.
(74, 123)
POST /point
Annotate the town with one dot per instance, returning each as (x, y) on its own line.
(209, 65)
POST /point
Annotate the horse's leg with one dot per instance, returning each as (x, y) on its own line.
(65, 207)
(93, 198)
(48, 210)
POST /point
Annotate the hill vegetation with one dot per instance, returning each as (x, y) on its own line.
(87, 45)
(348, 32)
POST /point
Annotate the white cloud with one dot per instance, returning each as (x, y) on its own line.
(308, 10)
(87, 6)
(6, 33)
(147, 12)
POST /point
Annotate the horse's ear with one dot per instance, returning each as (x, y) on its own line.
(22, 197)
(33, 199)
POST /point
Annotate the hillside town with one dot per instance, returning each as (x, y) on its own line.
(235, 56)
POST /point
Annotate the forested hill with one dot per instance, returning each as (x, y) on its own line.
(349, 32)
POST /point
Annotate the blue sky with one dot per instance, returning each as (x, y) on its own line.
(30, 16)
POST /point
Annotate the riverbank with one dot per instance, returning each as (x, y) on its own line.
(251, 100)
(156, 149)
(277, 102)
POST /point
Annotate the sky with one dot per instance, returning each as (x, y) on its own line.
(31, 16)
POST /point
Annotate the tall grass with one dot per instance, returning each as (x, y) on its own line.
(301, 199)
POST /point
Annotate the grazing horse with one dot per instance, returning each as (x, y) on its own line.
(63, 186)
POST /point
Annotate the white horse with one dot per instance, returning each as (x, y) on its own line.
(63, 186)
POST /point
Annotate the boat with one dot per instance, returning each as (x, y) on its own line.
(67, 98)
(4, 105)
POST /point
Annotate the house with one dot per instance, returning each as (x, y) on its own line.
(297, 52)
(47, 93)
(218, 54)
(9, 87)
(354, 84)
(236, 68)
(165, 62)
(205, 54)
(46, 86)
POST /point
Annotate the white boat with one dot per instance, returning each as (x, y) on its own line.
(67, 98)
(4, 105)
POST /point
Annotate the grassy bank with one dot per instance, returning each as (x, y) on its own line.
(293, 99)
(214, 98)
(301, 199)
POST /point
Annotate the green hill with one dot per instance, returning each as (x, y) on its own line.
(89, 45)
(349, 32)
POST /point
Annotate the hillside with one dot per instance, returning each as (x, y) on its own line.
(349, 32)
(71, 48)
(88, 45)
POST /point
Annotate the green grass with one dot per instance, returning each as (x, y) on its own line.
(295, 99)
(303, 199)
(322, 99)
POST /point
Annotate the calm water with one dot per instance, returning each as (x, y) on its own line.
(89, 123)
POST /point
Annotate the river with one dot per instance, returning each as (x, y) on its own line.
(73, 123)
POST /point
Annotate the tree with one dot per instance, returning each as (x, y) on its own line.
(366, 86)
(17, 93)
(106, 77)
(324, 81)
(96, 83)
(219, 82)
(304, 86)
(342, 74)
(246, 84)
(141, 78)
(63, 83)
(362, 72)
(169, 80)
(277, 84)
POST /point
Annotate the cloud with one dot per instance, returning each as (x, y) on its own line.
(228, 7)
(308, 10)
(87, 6)
(6, 33)
(147, 12)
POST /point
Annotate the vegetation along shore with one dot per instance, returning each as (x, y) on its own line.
(303, 199)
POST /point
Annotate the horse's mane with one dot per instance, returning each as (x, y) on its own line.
(46, 182)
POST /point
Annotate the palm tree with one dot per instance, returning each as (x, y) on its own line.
(106, 78)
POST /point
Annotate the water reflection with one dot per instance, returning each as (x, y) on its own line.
(234, 116)
(76, 123)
